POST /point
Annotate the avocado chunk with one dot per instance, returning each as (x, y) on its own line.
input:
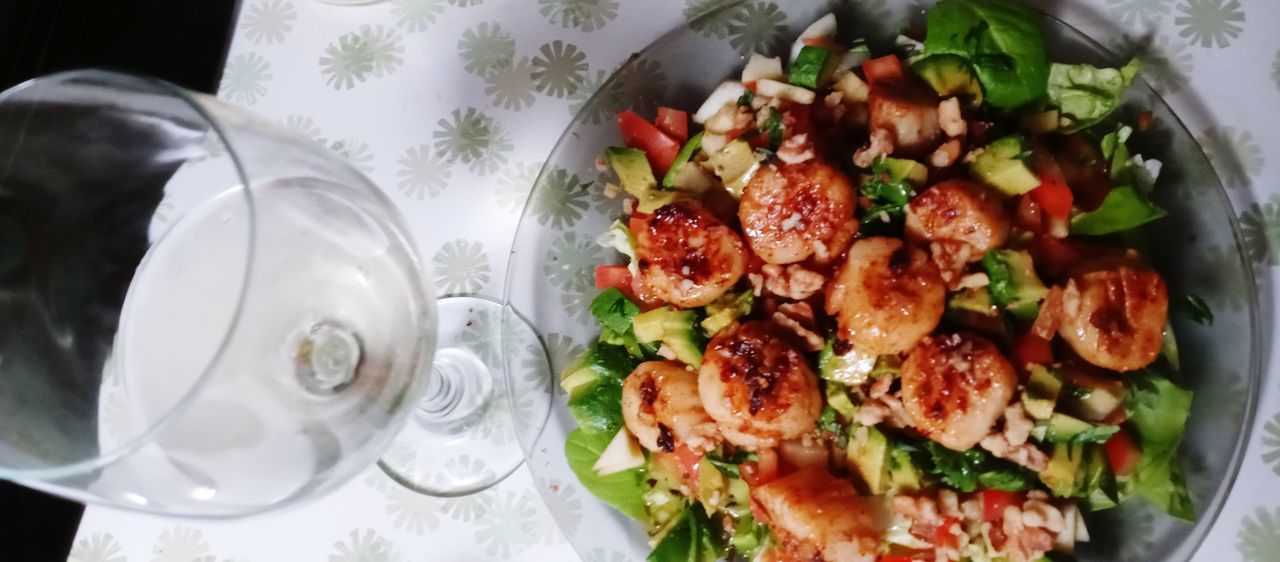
(852, 368)
(735, 164)
(972, 308)
(1014, 285)
(903, 475)
(950, 75)
(726, 309)
(1060, 475)
(868, 456)
(1000, 166)
(1061, 428)
(1093, 397)
(902, 169)
(678, 329)
(1041, 393)
(637, 179)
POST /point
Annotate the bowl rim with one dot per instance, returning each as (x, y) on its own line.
(1211, 510)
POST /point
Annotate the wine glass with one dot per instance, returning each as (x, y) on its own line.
(205, 314)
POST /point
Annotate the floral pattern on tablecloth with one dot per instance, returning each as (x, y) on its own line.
(452, 105)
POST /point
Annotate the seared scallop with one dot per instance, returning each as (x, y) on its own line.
(955, 387)
(686, 256)
(660, 406)
(1115, 318)
(795, 211)
(817, 516)
(886, 296)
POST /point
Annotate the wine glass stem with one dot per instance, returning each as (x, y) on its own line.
(459, 386)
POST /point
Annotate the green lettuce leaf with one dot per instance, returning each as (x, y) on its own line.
(621, 490)
(1158, 411)
(619, 238)
(1001, 39)
(614, 310)
(1086, 94)
(594, 383)
(694, 538)
(749, 538)
(1124, 208)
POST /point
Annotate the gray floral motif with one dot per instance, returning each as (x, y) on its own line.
(559, 68)
(1234, 154)
(364, 545)
(560, 199)
(561, 350)
(416, 15)
(1271, 443)
(1211, 23)
(1166, 64)
(714, 26)
(601, 555)
(411, 511)
(97, 547)
(372, 51)
(465, 3)
(545, 529)
(422, 173)
(570, 266)
(461, 267)
(756, 28)
(604, 204)
(179, 544)
(244, 80)
(482, 337)
(1260, 225)
(505, 530)
(1135, 12)
(1259, 538)
(512, 86)
(514, 184)
(268, 21)
(473, 138)
(304, 126)
(355, 152)
(563, 501)
(587, 15)
(469, 509)
(533, 367)
(582, 101)
(571, 261)
(640, 85)
(486, 48)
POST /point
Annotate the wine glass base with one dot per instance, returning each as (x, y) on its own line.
(465, 434)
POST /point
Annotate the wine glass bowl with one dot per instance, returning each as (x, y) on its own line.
(209, 316)
(1221, 362)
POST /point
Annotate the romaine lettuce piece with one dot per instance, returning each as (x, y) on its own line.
(1086, 94)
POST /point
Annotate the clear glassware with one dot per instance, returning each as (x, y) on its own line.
(1220, 362)
(205, 314)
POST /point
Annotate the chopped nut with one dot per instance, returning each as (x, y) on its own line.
(793, 282)
(797, 318)
(950, 118)
(946, 154)
(975, 280)
(796, 149)
(879, 144)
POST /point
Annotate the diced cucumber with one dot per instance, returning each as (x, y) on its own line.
(852, 368)
(999, 165)
(686, 152)
(676, 328)
(1092, 396)
(1062, 428)
(901, 169)
(807, 69)
(725, 310)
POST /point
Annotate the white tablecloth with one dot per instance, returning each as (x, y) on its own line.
(398, 86)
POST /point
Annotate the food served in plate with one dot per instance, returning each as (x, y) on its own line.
(884, 306)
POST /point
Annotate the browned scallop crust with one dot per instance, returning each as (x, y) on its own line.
(758, 387)
(960, 211)
(886, 296)
(1115, 318)
(817, 516)
(956, 387)
(660, 406)
(909, 112)
(791, 212)
(686, 256)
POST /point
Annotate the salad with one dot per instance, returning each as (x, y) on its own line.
(884, 306)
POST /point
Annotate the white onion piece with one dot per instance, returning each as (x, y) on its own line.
(760, 67)
(781, 90)
(823, 28)
(727, 92)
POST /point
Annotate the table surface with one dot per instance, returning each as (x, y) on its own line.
(392, 85)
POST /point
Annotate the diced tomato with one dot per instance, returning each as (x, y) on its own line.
(943, 536)
(674, 123)
(613, 276)
(1030, 349)
(657, 146)
(1123, 453)
(1053, 196)
(636, 222)
(1116, 418)
(994, 502)
(1084, 170)
(883, 69)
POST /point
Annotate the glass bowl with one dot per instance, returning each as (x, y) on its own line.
(1198, 248)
